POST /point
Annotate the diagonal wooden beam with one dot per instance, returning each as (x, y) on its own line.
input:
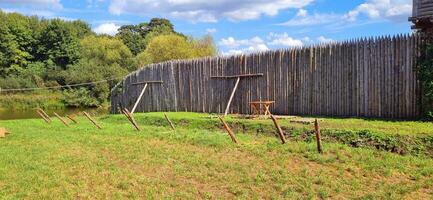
(139, 98)
(92, 120)
(61, 119)
(231, 96)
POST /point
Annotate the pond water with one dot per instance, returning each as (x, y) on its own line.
(31, 114)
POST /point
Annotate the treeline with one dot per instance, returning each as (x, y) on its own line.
(37, 52)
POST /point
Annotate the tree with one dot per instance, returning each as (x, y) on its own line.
(170, 47)
(102, 58)
(136, 37)
(15, 41)
(59, 44)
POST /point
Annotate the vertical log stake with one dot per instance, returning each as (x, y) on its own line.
(318, 137)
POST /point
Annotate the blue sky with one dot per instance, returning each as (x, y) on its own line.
(237, 26)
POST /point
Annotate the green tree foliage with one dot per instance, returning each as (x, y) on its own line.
(171, 47)
(136, 37)
(101, 58)
(59, 42)
(425, 74)
(37, 52)
(16, 40)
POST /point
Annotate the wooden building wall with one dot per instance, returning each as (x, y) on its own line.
(367, 78)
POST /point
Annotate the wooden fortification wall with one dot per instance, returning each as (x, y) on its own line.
(372, 77)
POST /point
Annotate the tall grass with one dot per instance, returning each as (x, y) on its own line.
(29, 100)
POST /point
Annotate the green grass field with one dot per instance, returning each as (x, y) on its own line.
(199, 161)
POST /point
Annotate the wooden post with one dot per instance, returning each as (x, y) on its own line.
(72, 119)
(229, 131)
(131, 119)
(43, 116)
(92, 120)
(318, 137)
(231, 96)
(61, 119)
(139, 98)
(169, 121)
(280, 131)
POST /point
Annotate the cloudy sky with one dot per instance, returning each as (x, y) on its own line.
(237, 26)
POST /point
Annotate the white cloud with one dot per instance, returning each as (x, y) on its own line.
(396, 10)
(234, 46)
(205, 10)
(283, 40)
(211, 30)
(30, 12)
(55, 4)
(231, 45)
(323, 39)
(107, 28)
(303, 18)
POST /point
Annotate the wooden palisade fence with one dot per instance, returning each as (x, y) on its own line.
(367, 77)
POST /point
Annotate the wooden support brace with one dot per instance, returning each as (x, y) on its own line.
(131, 119)
(61, 119)
(318, 137)
(231, 96)
(72, 119)
(92, 120)
(139, 98)
(280, 131)
(147, 82)
(169, 121)
(239, 76)
(229, 131)
(43, 116)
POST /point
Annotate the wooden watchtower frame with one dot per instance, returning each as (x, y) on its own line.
(145, 83)
(422, 16)
(238, 79)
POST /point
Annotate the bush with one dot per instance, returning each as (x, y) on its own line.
(425, 74)
(79, 97)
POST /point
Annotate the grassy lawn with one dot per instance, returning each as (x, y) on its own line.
(40, 161)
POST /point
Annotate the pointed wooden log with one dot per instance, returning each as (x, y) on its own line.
(61, 119)
(318, 136)
(280, 131)
(229, 130)
(131, 119)
(169, 121)
(91, 119)
(43, 116)
(72, 119)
